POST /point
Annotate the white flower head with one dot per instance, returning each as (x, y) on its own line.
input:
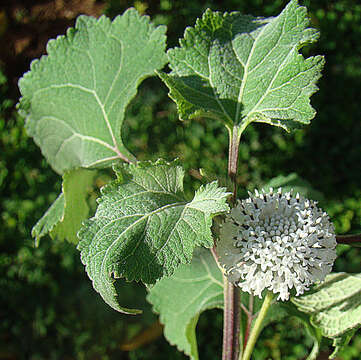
(276, 241)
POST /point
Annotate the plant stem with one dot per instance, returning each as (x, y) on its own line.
(215, 256)
(234, 136)
(353, 240)
(257, 326)
(231, 321)
(249, 320)
(232, 298)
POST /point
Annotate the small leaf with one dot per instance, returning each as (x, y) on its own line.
(76, 185)
(181, 298)
(144, 228)
(334, 305)
(242, 69)
(51, 217)
(65, 216)
(75, 97)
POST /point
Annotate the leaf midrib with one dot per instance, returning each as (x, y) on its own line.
(244, 80)
(105, 257)
(142, 218)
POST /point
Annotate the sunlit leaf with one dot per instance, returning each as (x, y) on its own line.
(241, 69)
(144, 227)
(75, 97)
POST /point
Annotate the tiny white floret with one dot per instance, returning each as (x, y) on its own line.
(276, 241)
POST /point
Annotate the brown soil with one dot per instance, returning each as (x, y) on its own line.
(27, 25)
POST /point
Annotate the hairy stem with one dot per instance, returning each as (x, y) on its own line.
(215, 256)
(232, 298)
(231, 321)
(257, 326)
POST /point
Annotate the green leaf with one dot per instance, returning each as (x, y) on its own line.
(334, 305)
(295, 182)
(194, 288)
(242, 69)
(51, 217)
(341, 342)
(144, 228)
(76, 186)
(181, 298)
(74, 99)
(65, 216)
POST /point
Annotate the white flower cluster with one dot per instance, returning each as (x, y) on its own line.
(276, 241)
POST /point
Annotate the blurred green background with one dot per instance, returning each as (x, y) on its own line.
(48, 309)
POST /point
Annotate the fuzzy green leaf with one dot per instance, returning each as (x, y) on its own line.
(335, 305)
(144, 228)
(75, 97)
(180, 299)
(65, 216)
(194, 288)
(242, 69)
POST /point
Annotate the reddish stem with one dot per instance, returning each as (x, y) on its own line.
(348, 239)
(231, 321)
(232, 297)
(249, 320)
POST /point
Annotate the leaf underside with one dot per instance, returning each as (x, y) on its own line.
(65, 216)
(144, 228)
(75, 97)
(335, 305)
(242, 69)
(76, 186)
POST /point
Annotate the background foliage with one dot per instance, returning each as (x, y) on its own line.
(48, 309)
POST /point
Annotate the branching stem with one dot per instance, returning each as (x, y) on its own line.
(257, 326)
